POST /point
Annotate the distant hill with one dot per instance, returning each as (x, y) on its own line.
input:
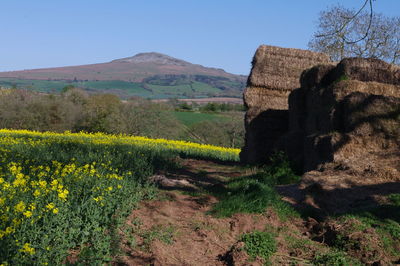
(151, 75)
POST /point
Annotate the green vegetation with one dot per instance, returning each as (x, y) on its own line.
(395, 199)
(156, 87)
(383, 221)
(252, 194)
(259, 244)
(207, 108)
(335, 258)
(255, 193)
(193, 85)
(75, 111)
(71, 197)
(191, 118)
(68, 192)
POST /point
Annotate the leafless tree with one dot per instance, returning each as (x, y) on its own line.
(345, 32)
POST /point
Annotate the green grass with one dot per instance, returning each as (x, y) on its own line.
(38, 85)
(191, 118)
(250, 194)
(259, 244)
(121, 88)
(335, 258)
(255, 193)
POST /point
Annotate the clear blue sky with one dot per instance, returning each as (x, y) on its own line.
(216, 33)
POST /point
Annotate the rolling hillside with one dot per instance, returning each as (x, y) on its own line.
(150, 75)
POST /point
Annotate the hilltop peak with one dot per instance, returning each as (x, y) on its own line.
(152, 57)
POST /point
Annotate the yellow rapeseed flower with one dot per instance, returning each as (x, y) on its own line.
(36, 193)
(43, 184)
(9, 230)
(50, 206)
(16, 221)
(27, 249)
(28, 214)
(20, 207)
(63, 194)
(99, 198)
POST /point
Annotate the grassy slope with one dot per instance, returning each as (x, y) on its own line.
(121, 88)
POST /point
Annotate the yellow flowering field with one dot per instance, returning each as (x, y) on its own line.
(183, 148)
(61, 192)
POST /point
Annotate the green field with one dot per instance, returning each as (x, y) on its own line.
(123, 89)
(190, 118)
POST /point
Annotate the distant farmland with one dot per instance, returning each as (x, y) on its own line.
(123, 89)
(147, 75)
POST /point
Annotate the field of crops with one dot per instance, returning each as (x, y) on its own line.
(62, 193)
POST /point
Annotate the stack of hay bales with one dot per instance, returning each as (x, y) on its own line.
(275, 73)
(348, 114)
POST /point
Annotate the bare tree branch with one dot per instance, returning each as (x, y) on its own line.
(344, 32)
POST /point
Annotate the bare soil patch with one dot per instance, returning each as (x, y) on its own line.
(178, 229)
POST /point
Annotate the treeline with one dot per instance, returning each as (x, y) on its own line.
(75, 110)
(209, 107)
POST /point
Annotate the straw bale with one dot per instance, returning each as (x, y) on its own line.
(275, 73)
(314, 76)
(262, 133)
(367, 70)
(378, 113)
(344, 121)
(263, 99)
(280, 68)
(350, 132)
(343, 88)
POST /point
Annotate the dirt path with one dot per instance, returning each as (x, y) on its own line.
(177, 229)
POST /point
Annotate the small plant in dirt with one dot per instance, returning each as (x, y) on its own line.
(259, 244)
(163, 233)
(335, 258)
